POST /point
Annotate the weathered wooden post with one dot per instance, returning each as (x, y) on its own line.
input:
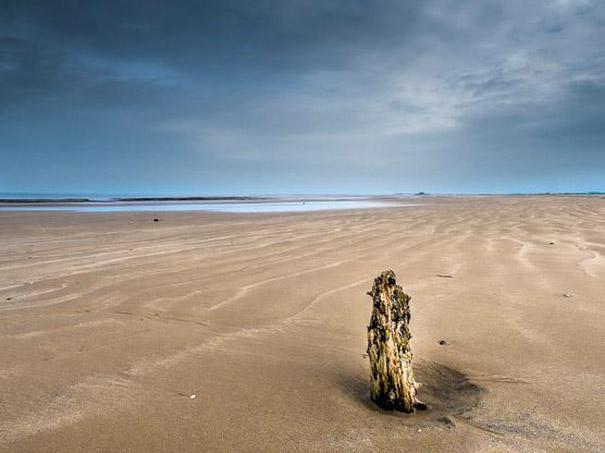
(392, 381)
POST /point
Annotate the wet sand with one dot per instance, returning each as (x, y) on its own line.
(110, 322)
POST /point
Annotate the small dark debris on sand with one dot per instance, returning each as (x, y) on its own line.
(156, 220)
(442, 342)
(447, 422)
(9, 298)
(445, 276)
(551, 243)
(187, 395)
(566, 295)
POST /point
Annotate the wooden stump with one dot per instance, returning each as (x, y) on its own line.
(392, 381)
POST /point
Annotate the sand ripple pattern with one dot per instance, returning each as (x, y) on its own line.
(108, 322)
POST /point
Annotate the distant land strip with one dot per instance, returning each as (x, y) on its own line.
(109, 200)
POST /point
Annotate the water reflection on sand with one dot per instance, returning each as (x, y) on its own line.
(215, 206)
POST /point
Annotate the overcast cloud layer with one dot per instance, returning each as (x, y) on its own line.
(302, 96)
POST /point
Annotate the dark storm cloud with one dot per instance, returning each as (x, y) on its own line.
(302, 95)
(276, 35)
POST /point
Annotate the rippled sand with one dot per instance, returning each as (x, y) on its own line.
(110, 323)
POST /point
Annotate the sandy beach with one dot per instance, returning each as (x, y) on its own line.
(247, 332)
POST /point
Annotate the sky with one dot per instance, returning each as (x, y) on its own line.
(302, 96)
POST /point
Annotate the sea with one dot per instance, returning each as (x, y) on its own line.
(116, 203)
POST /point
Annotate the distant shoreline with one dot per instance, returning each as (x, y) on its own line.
(123, 199)
(109, 200)
(216, 204)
